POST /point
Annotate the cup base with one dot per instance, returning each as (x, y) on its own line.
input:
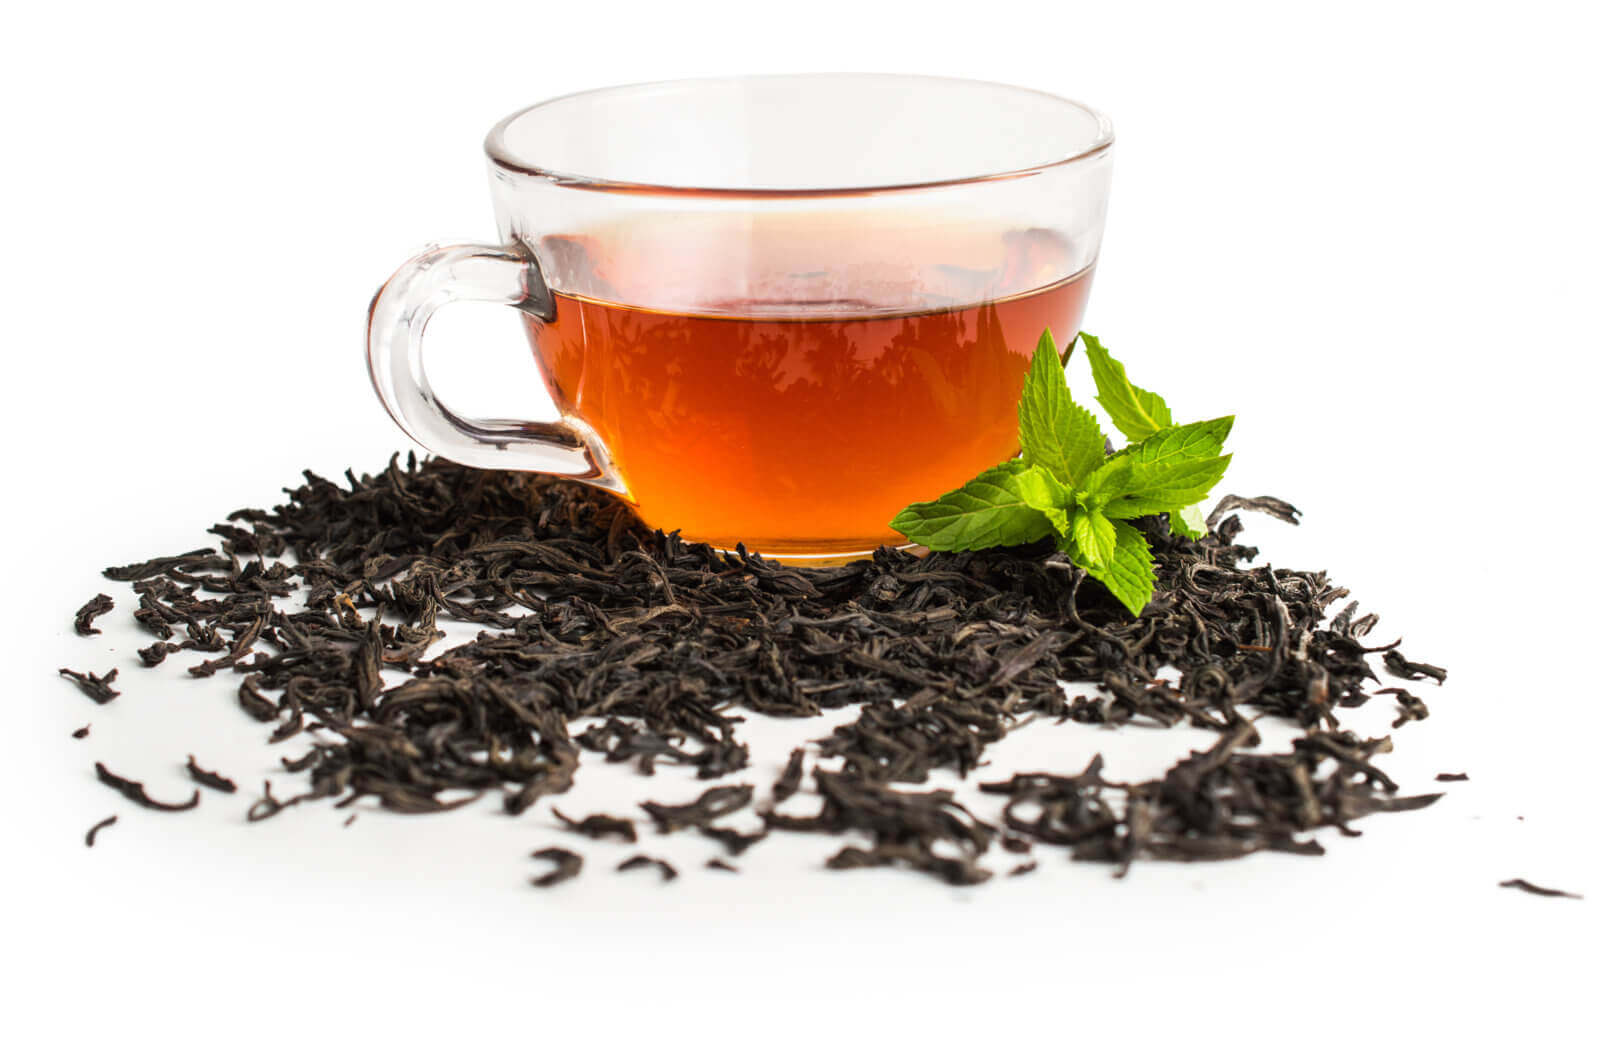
(823, 557)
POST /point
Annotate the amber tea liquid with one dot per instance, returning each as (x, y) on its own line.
(744, 422)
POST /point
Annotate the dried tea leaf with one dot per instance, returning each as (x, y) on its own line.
(599, 826)
(1396, 663)
(83, 622)
(134, 791)
(94, 832)
(210, 779)
(96, 687)
(788, 781)
(713, 803)
(567, 865)
(1543, 892)
(668, 873)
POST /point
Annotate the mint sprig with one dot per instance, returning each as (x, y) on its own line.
(1065, 485)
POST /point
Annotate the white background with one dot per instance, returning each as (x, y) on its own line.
(1369, 230)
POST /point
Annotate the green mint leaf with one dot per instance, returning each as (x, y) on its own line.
(1094, 537)
(1039, 488)
(1061, 519)
(1082, 441)
(1131, 575)
(1109, 481)
(1188, 521)
(1137, 413)
(1171, 469)
(987, 511)
(1198, 439)
(1056, 432)
(1158, 487)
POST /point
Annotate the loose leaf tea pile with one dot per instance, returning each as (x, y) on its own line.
(603, 639)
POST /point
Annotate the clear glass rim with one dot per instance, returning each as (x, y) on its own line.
(501, 155)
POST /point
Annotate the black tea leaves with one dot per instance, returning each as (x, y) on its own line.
(83, 622)
(96, 687)
(1543, 892)
(668, 873)
(94, 832)
(210, 779)
(134, 792)
(602, 639)
(567, 865)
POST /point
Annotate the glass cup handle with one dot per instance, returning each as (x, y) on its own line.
(395, 324)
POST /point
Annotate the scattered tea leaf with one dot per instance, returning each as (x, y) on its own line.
(735, 841)
(1534, 888)
(94, 832)
(210, 779)
(927, 831)
(98, 606)
(156, 653)
(1261, 504)
(788, 781)
(160, 566)
(257, 704)
(303, 762)
(1397, 665)
(567, 865)
(714, 803)
(599, 825)
(268, 805)
(668, 873)
(1411, 707)
(134, 791)
(96, 687)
